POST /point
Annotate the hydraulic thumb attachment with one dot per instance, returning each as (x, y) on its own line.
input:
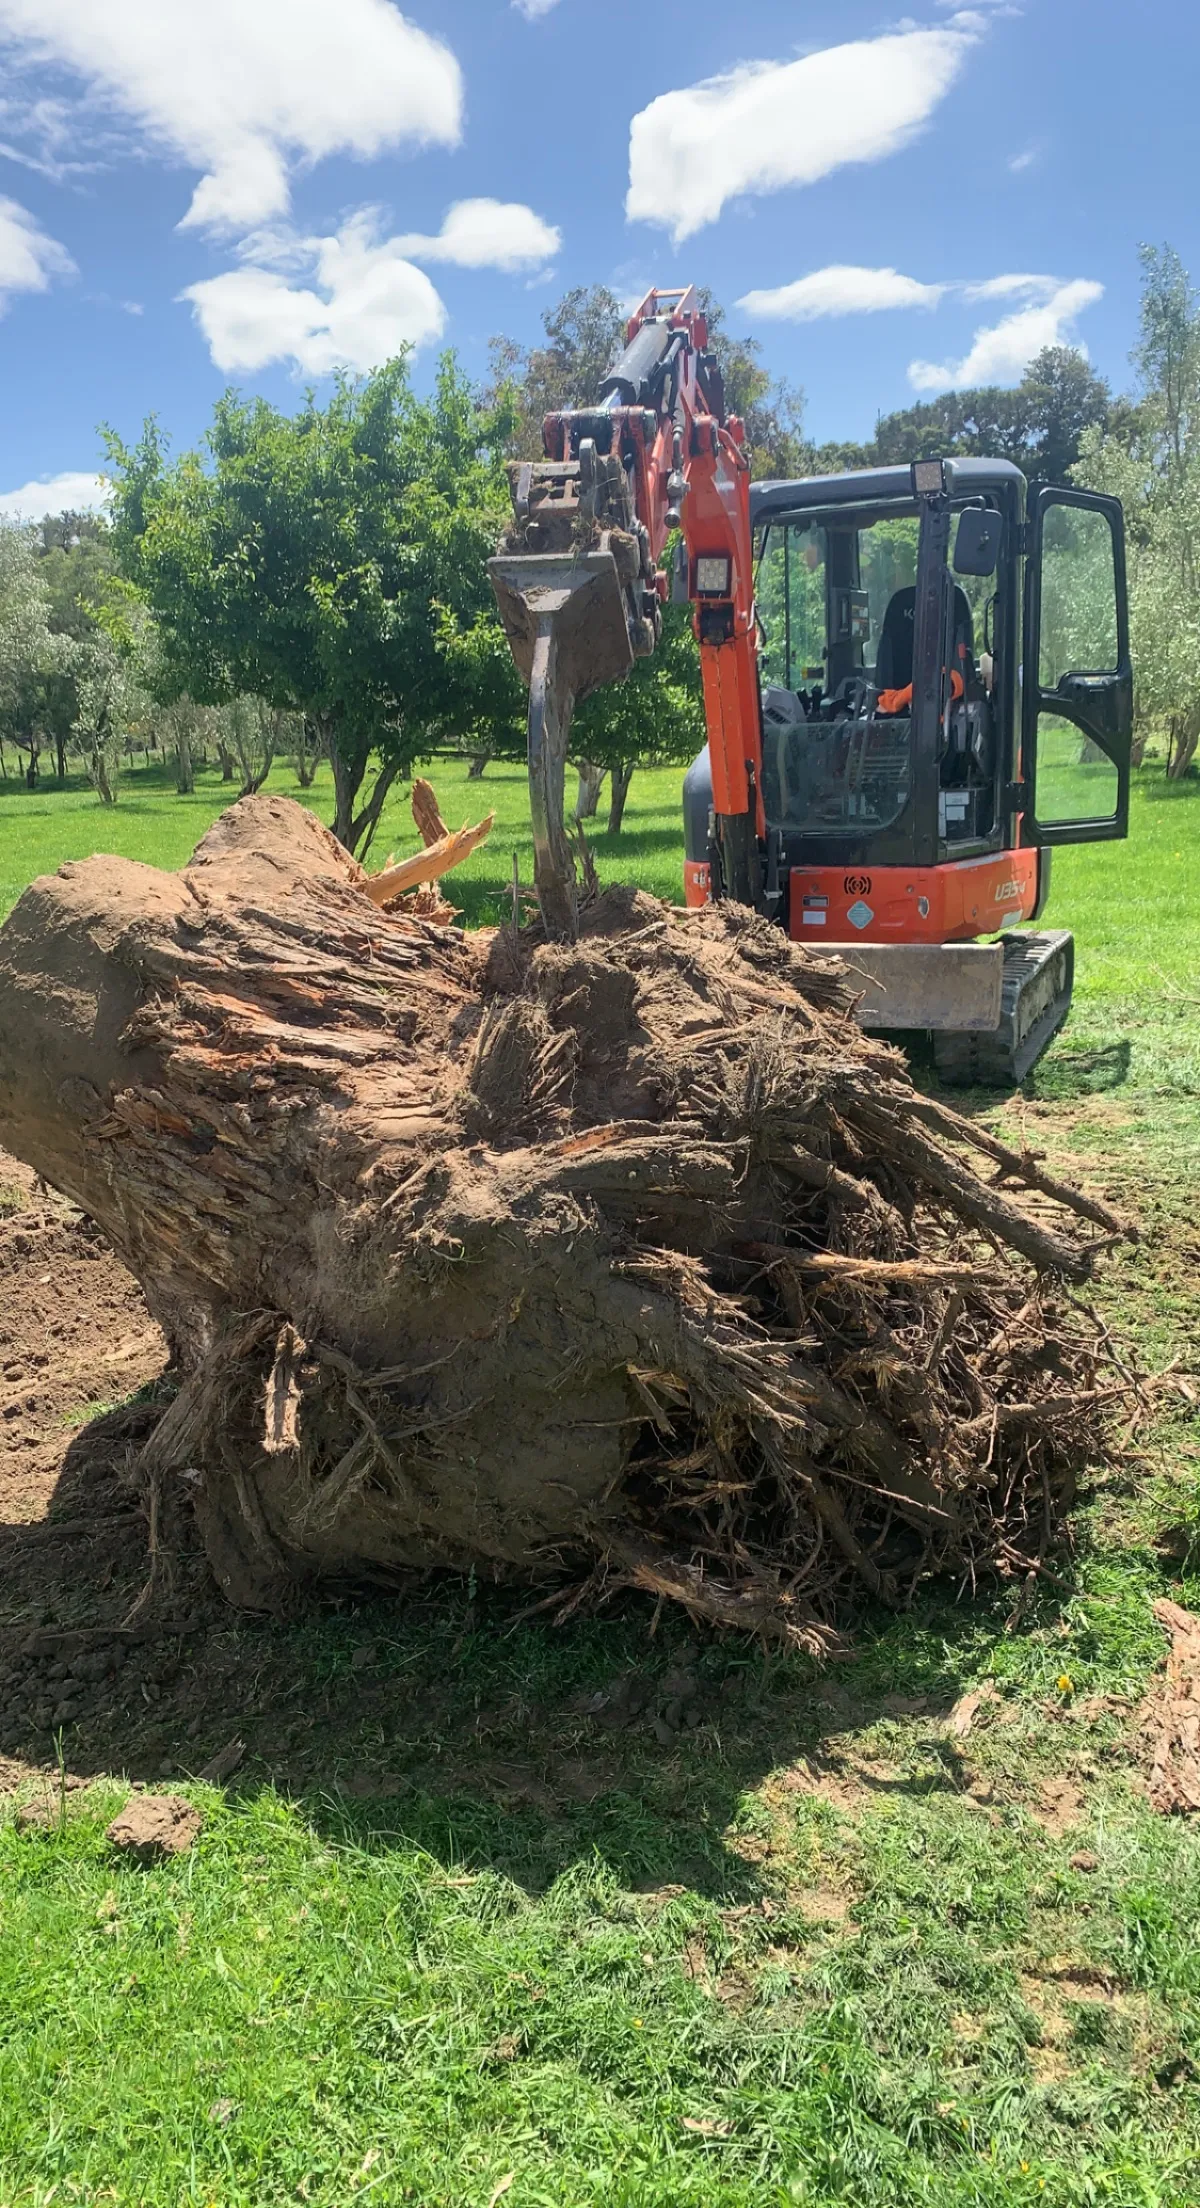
(574, 582)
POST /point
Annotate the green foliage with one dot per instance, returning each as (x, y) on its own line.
(60, 631)
(304, 559)
(585, 331)
(772, 411)
(1151, 462)
(1040, 425)
(654, 717)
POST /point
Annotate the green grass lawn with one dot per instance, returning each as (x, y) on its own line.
(41, 828)
(446, 1938)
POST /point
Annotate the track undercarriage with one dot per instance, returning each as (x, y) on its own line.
(1039, 972)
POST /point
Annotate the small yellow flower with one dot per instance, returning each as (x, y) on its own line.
(637, 2024)
(1024, 2169)
(1066, 1685)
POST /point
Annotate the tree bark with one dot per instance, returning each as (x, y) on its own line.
(588, 798)
(618, 790)
(1185, 740)
(448, 1235)
(228, 762)
(306, 755)
(349, 757)
(479, 760)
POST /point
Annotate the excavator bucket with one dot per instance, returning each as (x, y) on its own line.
(564, 617)
(574, 620)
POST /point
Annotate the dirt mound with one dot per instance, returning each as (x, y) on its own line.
(628, 1262)
(75, 1336)
(155, 1825)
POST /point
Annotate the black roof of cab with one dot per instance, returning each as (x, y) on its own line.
(875, 486)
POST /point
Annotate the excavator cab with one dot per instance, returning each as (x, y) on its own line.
(916, 682)
(946, 693)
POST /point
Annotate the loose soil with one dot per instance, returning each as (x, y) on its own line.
(75, 1337)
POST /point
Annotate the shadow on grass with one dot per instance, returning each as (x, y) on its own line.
(436, 1716)
(1066, 1072)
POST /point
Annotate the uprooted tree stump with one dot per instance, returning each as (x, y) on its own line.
(632, 1262)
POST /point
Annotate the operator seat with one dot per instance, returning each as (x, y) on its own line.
(894, 659)
(784, 765)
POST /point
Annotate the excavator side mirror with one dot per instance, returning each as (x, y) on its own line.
(977, 543)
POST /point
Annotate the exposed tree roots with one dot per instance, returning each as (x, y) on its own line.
(632, 1263)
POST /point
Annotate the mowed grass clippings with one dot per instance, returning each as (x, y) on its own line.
(823, 1947)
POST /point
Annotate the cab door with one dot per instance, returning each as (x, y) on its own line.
(1077, 678)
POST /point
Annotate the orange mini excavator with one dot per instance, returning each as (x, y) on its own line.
(916, 683)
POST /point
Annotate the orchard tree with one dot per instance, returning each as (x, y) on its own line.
(303, 559)
(655, 718)
(1039, 424)
(31, 656)
(1151, 461)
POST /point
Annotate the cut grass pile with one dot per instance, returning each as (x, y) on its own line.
(448, 1926)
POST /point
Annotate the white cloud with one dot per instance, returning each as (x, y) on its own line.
(68, 493)
(1045, 313)
(1033, 288)
(29, 260)
(1002, 353)
(486, 233)
(769, 124)
(533, 10)
(841, 290)
(369, 297)
(371, 300)
(243, 90)
(1027, 159)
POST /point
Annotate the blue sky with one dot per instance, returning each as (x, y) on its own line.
(200, 192)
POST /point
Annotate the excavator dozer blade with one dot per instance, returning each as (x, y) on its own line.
(567, 622)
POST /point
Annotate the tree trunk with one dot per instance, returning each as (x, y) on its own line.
(228, 762)
(1185, 739)
(479, 760)
(461, 1266)
(590, 779)
(306, 755)
(349, 764)
(185, 771)
(60, 757)
(100, 774)
(618, 790)
(356, 831)
(255, 773)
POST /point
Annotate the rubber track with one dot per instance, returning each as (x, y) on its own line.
(1039, 974)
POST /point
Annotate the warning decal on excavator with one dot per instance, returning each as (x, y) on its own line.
(860, 915)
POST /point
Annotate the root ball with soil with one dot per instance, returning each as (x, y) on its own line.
(632, 1262)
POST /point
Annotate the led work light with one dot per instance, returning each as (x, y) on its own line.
(712, 577)
(928, 478)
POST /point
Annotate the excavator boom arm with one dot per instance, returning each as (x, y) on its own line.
(579, 587)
